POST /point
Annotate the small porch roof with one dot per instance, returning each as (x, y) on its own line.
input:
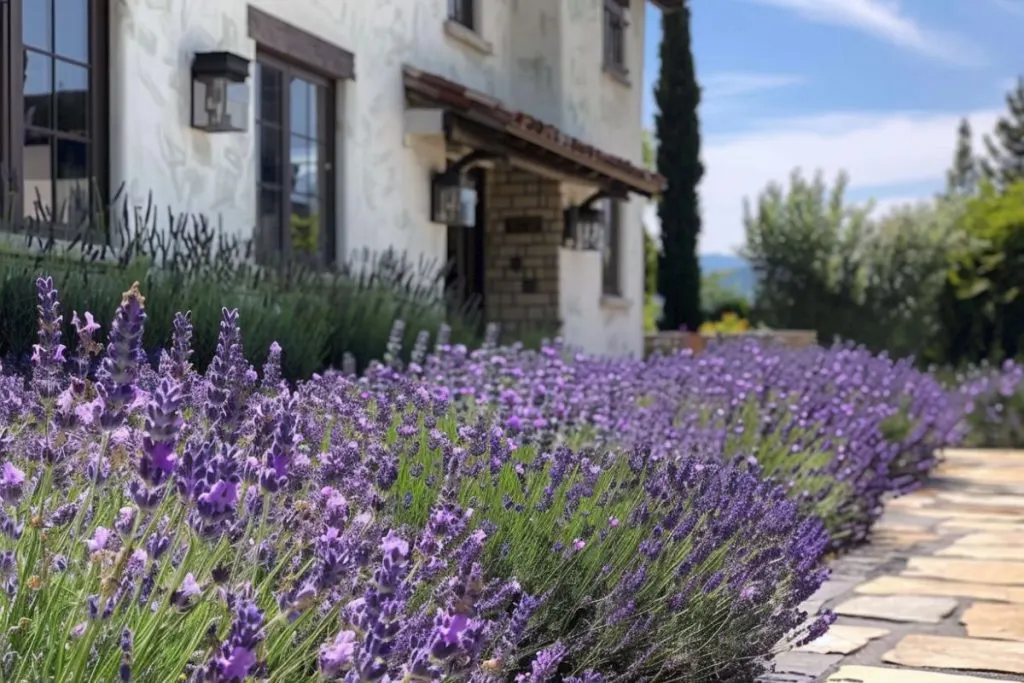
(504, 129)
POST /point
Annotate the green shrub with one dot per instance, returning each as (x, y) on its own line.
(319, 317)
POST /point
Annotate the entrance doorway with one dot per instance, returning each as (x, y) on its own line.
(465, 277)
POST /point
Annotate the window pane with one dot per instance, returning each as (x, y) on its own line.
(317, 107)
(38, 176)
(36, 22)
(268, 238)
(305, 166)
(270, 156)
(38, 89)
(300, 99)
(73, 183)
(270, 94)
(72, 94)
(71, 37)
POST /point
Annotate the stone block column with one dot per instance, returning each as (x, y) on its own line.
(523, 233)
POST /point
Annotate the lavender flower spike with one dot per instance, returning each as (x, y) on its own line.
(163, 421)
(48, 355)
(120, 367)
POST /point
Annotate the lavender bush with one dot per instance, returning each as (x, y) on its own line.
(488, 515)
(995, 404)
(838, 428)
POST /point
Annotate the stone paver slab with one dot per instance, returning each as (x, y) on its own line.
(971, 571)
(989, 455)
(959, 525)
(993, 538)
(997, 476)
(1013, 516)
(843, 640)
(999, 622)
(906, 585)
(808, 663)
(982, 500)
(902, 539)
(946, 652)
(876, 674)
(983, 552)
(904, 608)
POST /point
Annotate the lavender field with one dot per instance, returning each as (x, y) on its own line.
(476, 515)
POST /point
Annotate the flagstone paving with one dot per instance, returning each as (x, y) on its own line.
(937, 596)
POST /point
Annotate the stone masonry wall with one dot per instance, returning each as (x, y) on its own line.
(523, 233)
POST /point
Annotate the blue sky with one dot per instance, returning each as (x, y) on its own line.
(875, 87)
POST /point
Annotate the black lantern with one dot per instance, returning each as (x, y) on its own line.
(583, 228)
(220, 94)
(451, 201)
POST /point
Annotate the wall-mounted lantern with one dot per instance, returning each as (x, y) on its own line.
(220, 94)
(452, 202)
(583, 228)
(584, 225)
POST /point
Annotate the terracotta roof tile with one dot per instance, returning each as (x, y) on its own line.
(474, 104)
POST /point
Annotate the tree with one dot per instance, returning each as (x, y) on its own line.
(1006, 163)
(962, 178)
(677, 97)
(984, 302)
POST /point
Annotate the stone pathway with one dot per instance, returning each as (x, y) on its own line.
(938, 595)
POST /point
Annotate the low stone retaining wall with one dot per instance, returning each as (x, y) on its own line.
(668, 342)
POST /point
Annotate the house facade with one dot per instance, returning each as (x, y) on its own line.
(345, 125)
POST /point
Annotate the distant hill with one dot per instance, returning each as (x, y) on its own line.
(737, 273)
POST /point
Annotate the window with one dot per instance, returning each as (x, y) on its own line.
(294, 178)
(611, 284)
(615, 24)
(462, 12)
(53, 142)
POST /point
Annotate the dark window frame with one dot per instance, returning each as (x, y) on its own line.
(611, 257)
(13, 52)
(270, 247)
(614, 36)
(463, 12)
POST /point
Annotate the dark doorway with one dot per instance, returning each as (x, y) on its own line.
(465, 280)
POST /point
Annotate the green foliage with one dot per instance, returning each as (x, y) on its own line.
(962, 178)
(677, 96)
(826, 266)
(320, 318)
(1005, 148)
(983, 302)
(718, 298)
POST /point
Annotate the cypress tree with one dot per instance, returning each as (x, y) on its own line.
(962, 178)
(677, 97)
(1005, 164)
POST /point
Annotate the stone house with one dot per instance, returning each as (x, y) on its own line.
(503, 136)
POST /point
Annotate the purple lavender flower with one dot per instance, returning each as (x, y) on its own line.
(119, 368)
(336, 656)
(48, 355)
(163, 422)
(236, 656)
(12, 482)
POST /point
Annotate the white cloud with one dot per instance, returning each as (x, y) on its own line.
(881, 152)
(740, 83)
(885, 19)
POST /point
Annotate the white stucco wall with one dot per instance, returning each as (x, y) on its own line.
(545, 60)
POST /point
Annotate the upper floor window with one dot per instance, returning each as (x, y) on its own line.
(295, 136)
(616, 23)
(611, 275)
(463, 12)
(54, 117)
